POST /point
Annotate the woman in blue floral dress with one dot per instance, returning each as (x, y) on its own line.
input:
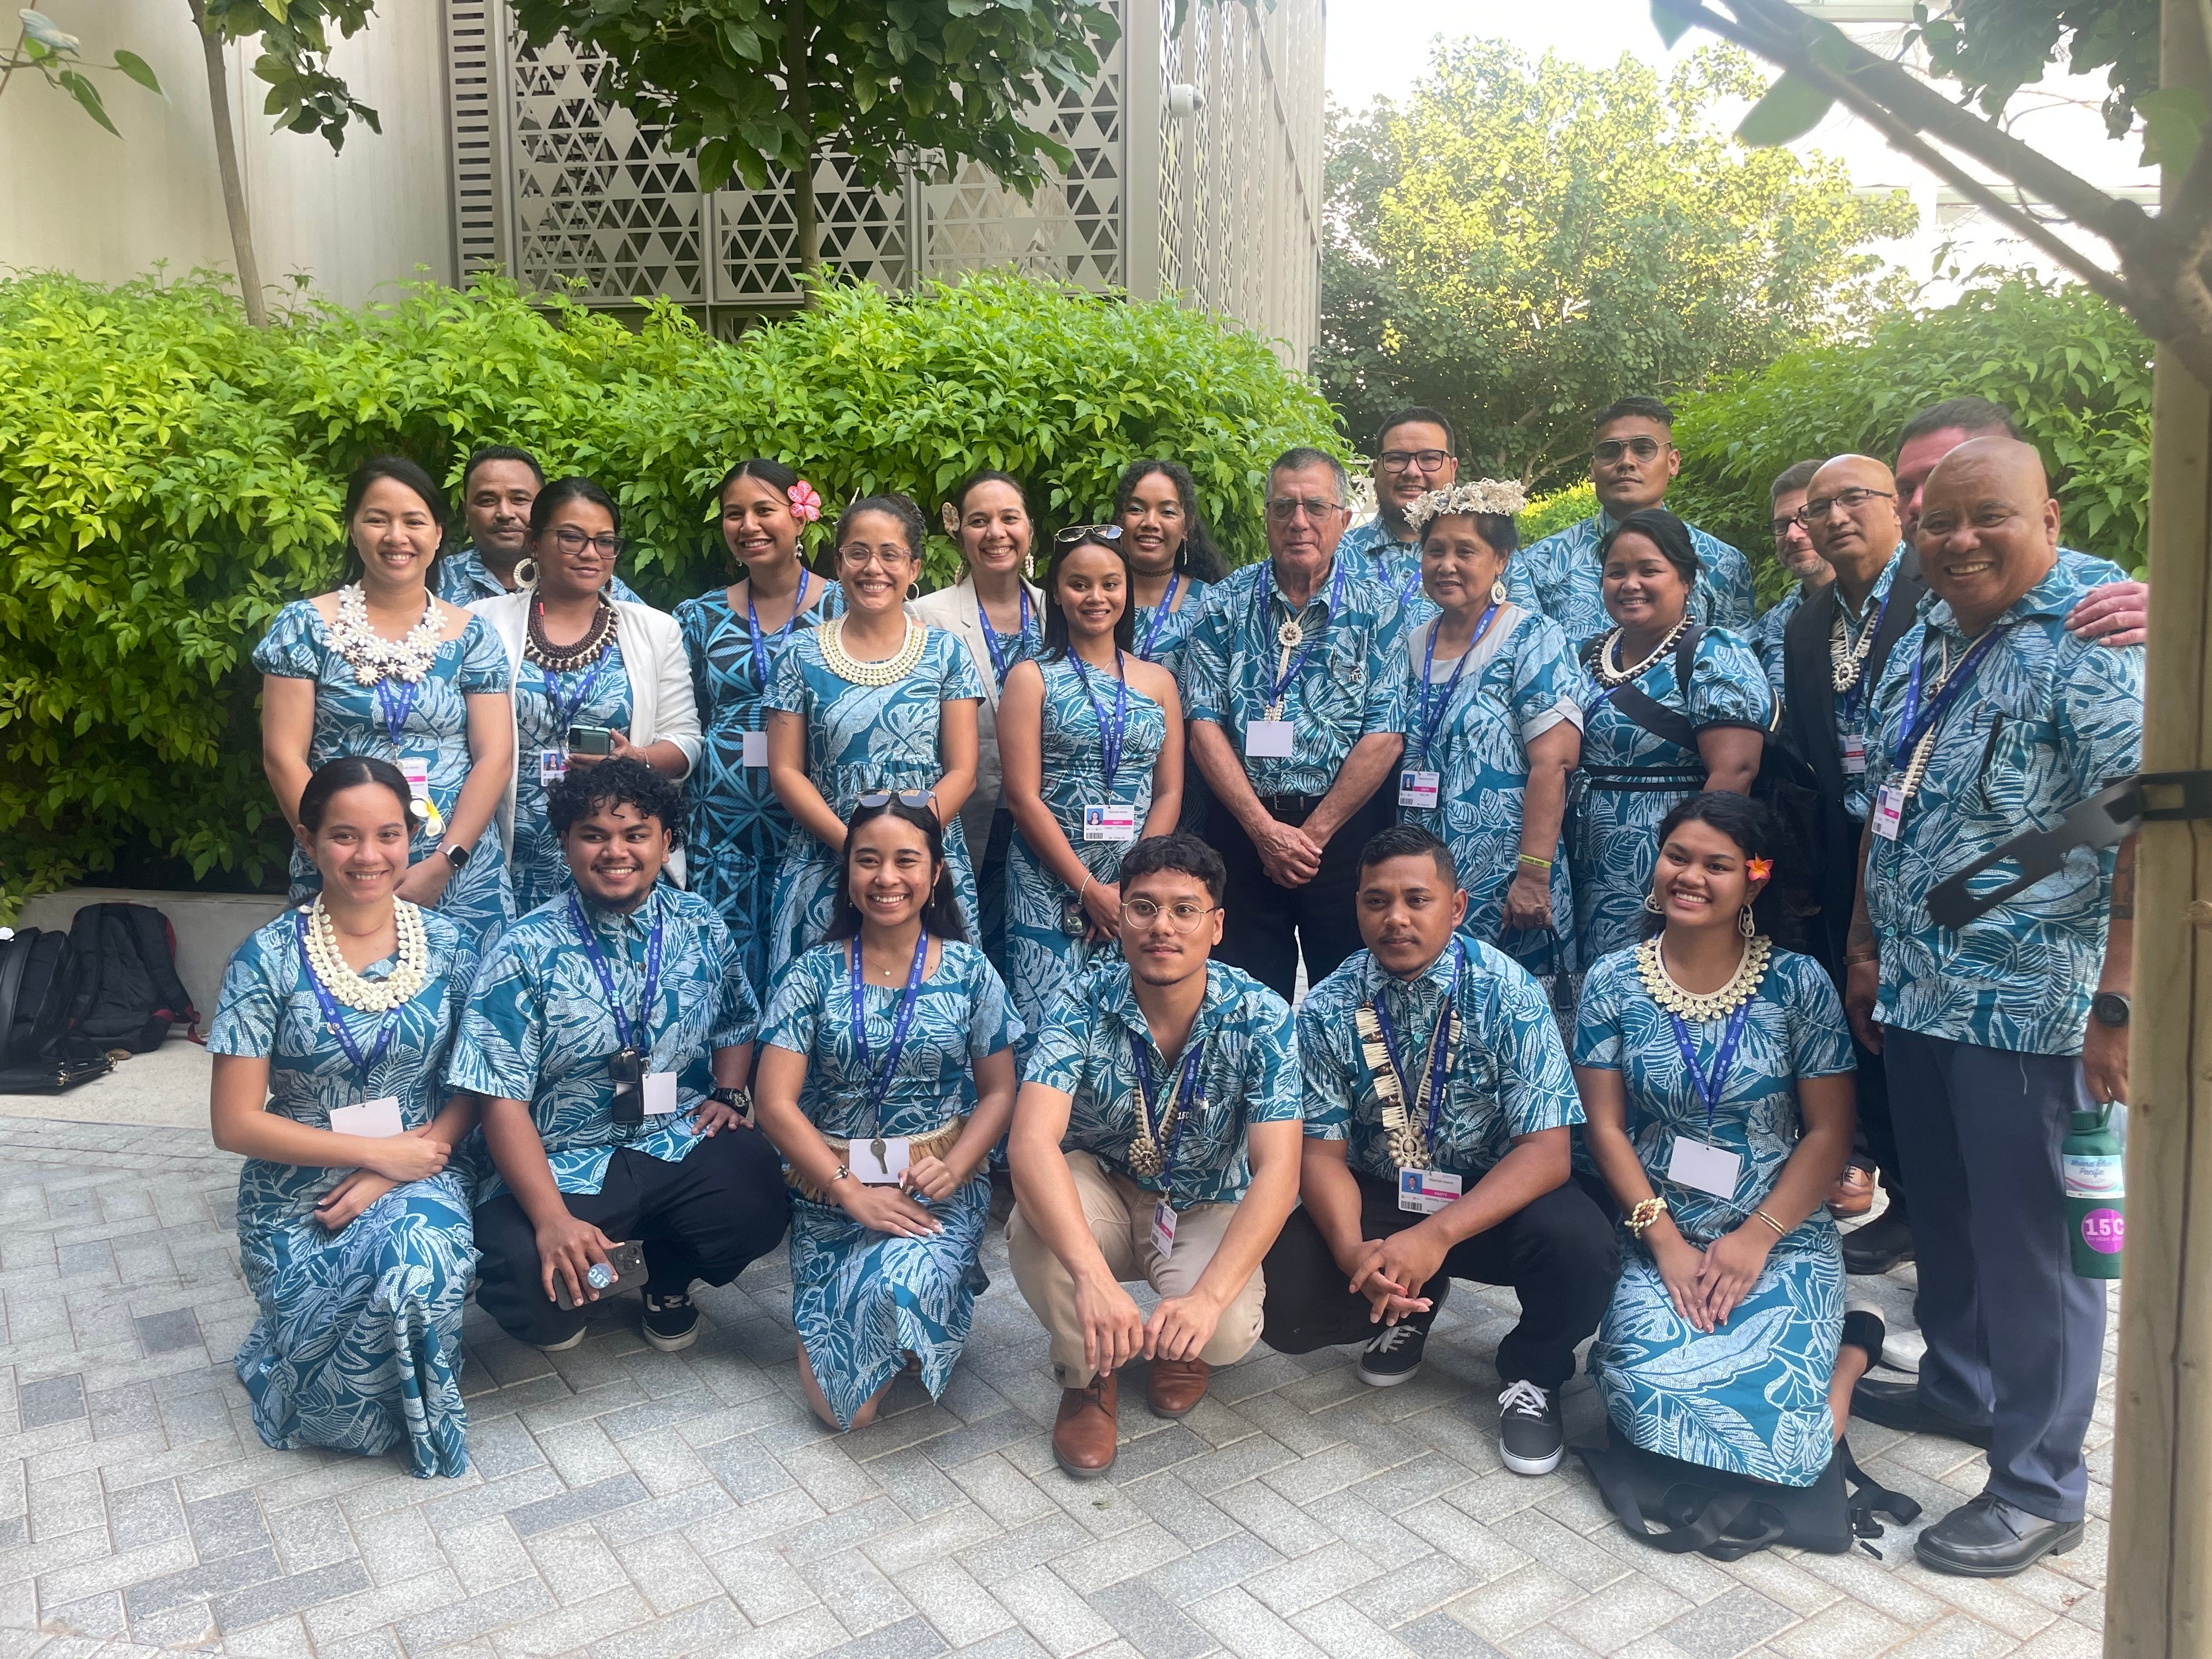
(886, 1075)
(1494, 727)
(1086, 707)
(1631, 776)
(873, 699)
(1173, 564)
(353, 1231)
(383, 668)
(1714, 1068)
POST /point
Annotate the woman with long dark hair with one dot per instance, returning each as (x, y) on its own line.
(383, 667)
(886, 1076)
(1091, 736)
(735, 636)
(1172, 557)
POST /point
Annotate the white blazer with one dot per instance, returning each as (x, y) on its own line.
(954, 609)
(662, 707)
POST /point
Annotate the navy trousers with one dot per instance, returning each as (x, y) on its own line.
(2014, 1337)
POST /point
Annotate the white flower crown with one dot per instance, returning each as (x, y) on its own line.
(1484, 495)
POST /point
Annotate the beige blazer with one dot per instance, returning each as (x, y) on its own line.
(953, 609)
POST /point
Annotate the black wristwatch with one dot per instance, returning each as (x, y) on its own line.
(736, 1096)
(456, 852)
(2109, 1008)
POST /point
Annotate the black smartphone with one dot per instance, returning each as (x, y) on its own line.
(591, 740)
(629, 1262)
(626, 1068)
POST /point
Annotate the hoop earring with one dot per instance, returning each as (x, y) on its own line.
(913, 591)
(1651, 903)
(526, 572)
(1498, 591)
(1746, 924)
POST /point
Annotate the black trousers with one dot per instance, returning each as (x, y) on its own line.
(1265, 927)
(722, 1207)
(1874, 1142)
(1560, 1253)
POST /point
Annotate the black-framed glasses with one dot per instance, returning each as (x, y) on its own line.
(1084, 532)
(1850, 500)
(1611, 449)
(1404, 460)
(1183, 915)
(573, 541)
(1780, 527)
(1285, 508)
(922, 800)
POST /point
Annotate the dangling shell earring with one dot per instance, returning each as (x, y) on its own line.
(1651, 903)
(526, 572)
(1029, 565)
(1498, 591)
(1745, 924)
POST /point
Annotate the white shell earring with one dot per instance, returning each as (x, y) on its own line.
(1498, 591)
(1745, 924)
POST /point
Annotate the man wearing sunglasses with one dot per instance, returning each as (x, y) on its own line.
(1414, 453)
(1156, 1138)
(1294, 683)
(1632, 461)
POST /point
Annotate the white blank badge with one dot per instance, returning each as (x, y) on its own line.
(379, 1119)
(879, 1162)
(1269, 740)
(1703, 1168)
(659, 1093)
(756, 749)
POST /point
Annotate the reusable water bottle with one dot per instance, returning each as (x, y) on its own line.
(2091, 1165)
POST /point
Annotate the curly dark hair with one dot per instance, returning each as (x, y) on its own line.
(1198, 555)
(625, 781)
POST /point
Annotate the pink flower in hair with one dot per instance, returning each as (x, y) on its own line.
(805, 505)
(1759, 869)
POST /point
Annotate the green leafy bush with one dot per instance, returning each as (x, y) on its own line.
(1549, 514)
(169, 478)
(2074, 370)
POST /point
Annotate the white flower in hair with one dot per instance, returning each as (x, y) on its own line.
(1483, 495)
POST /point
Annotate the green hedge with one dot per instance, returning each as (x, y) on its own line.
(169, 478)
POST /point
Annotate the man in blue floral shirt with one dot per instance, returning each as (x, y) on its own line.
(498, 487)
(1156, 1137)
(1991, 718)
(1414, 453)
(608, 1036)
(1294, 686)
(1438, 1110)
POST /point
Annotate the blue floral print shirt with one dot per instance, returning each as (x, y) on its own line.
(1559, 576)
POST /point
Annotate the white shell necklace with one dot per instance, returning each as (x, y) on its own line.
(372, 996)
(371, 656)
(1608, 657)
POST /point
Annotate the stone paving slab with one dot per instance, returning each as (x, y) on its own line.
(629, 1505)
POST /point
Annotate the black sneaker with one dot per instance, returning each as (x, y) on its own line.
(670, 1322)
(1530, 1438)
(1393, 1354)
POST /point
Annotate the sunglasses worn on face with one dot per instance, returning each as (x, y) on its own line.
(1645, 449)
(920, 799)
(1077, 532)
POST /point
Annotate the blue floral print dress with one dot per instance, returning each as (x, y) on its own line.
(858, 739)
(1631, 779)
(1047, 953)
(358, 1346)
(1750, 1396)
(862, 1300)
(1163, 636)
(597, 694)
(432, 729)
(1475, 736)
(738, 828)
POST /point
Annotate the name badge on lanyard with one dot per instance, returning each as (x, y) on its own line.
(395, 701)
(1270, 740)
(1109, 821)
(1164, 1227)
(1703, 1168)
(1854, 754)
(1698, 1163)
(1427, 1191)
(1418, 789)
(552, 766)
(1889, 810)
(756, 753)
(376, 1120)
(881, 1161)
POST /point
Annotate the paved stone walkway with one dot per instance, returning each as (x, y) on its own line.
(629, 1505)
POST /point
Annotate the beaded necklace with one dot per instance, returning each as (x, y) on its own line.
(1659, 985)
(1608, 666)
(889, 672)
(560, 659)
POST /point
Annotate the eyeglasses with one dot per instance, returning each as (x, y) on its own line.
(1645, 449)
(1850, 500)
(860, 555)
(1780, 527)
(573, 541)
(1077, 532)
(1283, 509)
(1405, 460)
(1182, 915)
(919, 799)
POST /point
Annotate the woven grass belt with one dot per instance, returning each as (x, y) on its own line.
(936, 1144)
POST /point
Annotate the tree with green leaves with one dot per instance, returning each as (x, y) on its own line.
(761, 86)
(55, 55)
(1518, 243)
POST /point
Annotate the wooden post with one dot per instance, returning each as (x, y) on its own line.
(2158, 1585)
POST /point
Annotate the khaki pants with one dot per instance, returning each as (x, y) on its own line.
(1120, 1212)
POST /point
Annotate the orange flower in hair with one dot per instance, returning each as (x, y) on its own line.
(1759, 869)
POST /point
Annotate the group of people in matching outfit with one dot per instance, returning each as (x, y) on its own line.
(624, 943)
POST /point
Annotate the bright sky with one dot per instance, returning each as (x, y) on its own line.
(1375, 45)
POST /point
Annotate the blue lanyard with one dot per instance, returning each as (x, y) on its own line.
(1263, 592)
(607, 981)
(1849, 708)
(564, 713)
(753, 627)
(1438, 1043)
(1110, 737)
(1411, 584)
(1710, 1087)
(1148, 1095)
(333, 1018)
(1160, 616)
(395, 705)
(879, 1082)
(1918, 722)
(1430, 720)
(991, 636)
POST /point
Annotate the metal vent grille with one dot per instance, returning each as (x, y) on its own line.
(474, 34)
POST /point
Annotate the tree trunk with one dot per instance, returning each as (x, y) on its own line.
(798, 70)
(226, 156)
(2159, 1587)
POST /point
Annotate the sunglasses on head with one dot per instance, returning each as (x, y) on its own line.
(920, 799)
(1077, 532)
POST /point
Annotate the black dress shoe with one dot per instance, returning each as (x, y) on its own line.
(1882, 1244)
(1986, 1537)
(1898, 1406)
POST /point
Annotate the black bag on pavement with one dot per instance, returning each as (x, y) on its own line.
(124, 990)
(39, 1054)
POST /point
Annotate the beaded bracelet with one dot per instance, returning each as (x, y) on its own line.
(1645, 1213)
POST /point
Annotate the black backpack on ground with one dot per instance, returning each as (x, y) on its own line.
(124, 992)
(37, 1053)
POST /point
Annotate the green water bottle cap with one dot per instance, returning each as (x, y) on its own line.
(2088, 1123)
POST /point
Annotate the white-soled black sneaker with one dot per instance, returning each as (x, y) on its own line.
(1393, 1354)
(670, 1322)
(1530, 1438)
(563, 1344)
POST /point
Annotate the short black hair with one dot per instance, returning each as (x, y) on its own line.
(1621, 409)
(561, 491)
(501, 453)
(1184, 853)
(1408, 840)
(1298, 458)
(351, 771)
(1411, 414)
(1976, 415)
(896, 506)
(1664, 532)
(624, 781)
(1798, 475)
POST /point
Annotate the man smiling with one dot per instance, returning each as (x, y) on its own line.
(499, 486)
(1414, 453)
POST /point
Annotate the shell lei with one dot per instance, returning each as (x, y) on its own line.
(1659, 985)
(401, 985)
(370, 655)
(1847, 660)
(1146, 1157)
(1609, 654)
(1407, 1146)
(830, 636)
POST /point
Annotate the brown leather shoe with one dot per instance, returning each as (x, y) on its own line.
(1853, 1192)
(1177, 1385)
(1083, 1434)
